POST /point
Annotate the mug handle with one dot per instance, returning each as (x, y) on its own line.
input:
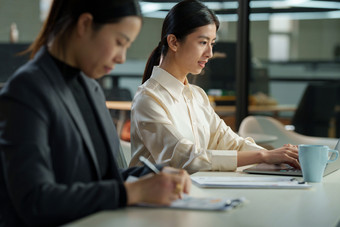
(336, 157)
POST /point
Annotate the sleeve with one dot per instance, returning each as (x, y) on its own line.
(138, 171)
(30, 174)
(223, 141)
(223, 137)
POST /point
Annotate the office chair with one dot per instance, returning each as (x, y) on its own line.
(270, 126)
(120, 119)
(126, 147)
(315, 110)
(118, 94)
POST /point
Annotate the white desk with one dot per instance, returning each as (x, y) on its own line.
(319, 206)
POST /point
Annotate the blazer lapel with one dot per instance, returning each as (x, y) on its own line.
(98, 100)
(65, 94)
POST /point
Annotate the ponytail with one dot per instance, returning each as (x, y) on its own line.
(153, 60)
(47, 29)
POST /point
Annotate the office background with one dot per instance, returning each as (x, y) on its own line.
(291, 53)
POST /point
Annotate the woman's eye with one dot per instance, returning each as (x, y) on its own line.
(119, 43)
(204, 43)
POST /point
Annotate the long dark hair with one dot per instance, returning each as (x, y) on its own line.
(64, 14)
(181, 20)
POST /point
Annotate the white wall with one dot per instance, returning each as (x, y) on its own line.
(316, 39)
(25, 13)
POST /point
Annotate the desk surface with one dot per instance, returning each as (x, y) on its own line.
(318, 206)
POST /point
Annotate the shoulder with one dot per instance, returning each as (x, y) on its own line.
(28, 87)
(28, 78)
(199, 94)
(149, 97)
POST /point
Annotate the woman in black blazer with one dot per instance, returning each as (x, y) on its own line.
(57, 138)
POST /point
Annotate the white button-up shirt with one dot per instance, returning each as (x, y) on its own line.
(174, 124)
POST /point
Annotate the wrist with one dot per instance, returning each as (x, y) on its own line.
(132, 193)
(262, 156)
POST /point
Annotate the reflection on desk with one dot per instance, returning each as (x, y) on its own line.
(318, 206)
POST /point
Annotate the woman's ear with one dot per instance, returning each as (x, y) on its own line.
(84, 24)
(172, 42)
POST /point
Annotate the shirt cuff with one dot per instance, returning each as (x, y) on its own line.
(224, 160)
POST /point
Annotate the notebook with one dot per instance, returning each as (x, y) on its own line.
(285, 169)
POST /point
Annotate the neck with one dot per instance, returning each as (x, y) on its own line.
(169, 65)
(62, 53)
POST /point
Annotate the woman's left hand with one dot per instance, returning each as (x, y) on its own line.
(286, 154)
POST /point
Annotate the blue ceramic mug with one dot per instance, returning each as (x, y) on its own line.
(313, 160)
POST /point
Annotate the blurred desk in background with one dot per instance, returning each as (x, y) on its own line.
(227, 113)
(123, 107)
(255, 109)
(118, 105)
(223, 111)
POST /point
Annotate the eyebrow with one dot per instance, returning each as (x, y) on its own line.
(125, 36)
(206, 37)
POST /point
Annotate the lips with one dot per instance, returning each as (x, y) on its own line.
(202, 63)
(108, 69)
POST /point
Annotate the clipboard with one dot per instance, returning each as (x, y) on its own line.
(249, 182)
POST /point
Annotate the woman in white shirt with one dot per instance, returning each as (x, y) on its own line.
(172, 121)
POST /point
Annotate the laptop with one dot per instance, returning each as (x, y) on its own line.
(285, 169)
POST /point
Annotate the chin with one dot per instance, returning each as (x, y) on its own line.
(94, 75)
(197, 72)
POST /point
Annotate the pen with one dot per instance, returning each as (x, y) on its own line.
(148, 164)
(152, 167)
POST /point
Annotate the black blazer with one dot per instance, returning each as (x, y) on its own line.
(51, 168)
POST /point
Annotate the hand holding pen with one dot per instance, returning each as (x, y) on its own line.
(183, 182)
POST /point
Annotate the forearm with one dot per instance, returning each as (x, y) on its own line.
(250, 157)
(57, 204)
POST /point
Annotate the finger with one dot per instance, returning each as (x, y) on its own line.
(293, 155)
(178, 190)
(177, 184)
(170, 170)
(294, 162)
(187, 183)
(173, 197)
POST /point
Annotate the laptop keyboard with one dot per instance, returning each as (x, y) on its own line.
(290, 169)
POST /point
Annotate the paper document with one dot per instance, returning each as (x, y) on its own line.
(205, 203)
(196, 203)
(249, 182)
